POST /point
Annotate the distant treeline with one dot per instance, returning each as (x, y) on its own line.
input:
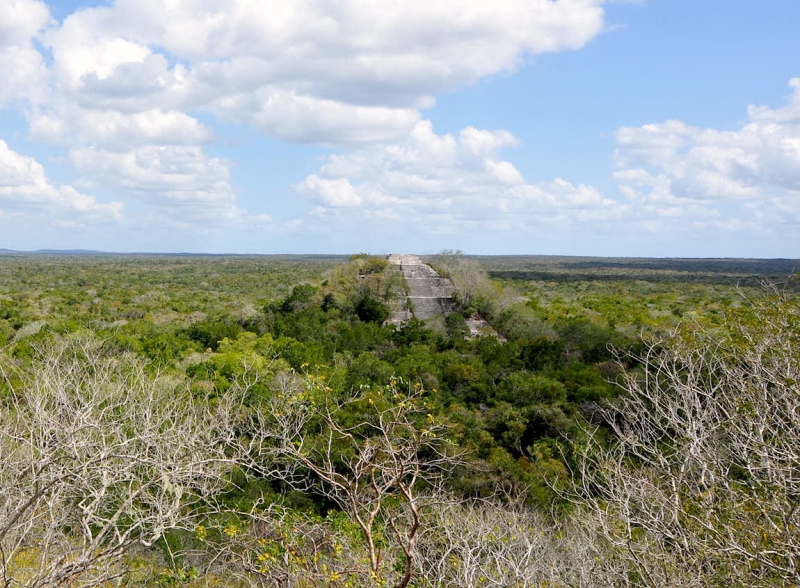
(725, 280)
(728, 272)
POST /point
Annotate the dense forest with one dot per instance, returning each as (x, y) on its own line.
(260, 421)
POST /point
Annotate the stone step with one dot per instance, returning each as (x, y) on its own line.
(429, 307)
(429, 294)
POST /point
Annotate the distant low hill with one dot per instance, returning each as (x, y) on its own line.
(93, 253)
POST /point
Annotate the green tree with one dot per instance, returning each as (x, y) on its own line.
(380, 456)
(371, 310)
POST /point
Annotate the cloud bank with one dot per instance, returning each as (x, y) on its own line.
(120, 87)
(133, 94)
(442, 180)
(735, 179)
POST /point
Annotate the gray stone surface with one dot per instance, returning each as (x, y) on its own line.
(429, 294)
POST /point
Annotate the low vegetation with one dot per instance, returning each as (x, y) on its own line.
(255, 421)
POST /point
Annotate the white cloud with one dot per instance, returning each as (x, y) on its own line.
(324, 71)
(181, 180)
(305, 119)
(413, 39)
(20, 20)
(125, 86)
(432, 181)
(750, 173)
(25, 189)
(334, 193)
(22, 68)
(781, 121)
(113, 129)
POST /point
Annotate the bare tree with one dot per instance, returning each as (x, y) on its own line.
(700, 484)
(97, 457)
(471, 282)
(379, 456)
(493, 543)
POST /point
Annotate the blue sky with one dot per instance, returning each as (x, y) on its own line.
(583, 127)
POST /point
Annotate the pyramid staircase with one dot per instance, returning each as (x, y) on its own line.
(429, 294)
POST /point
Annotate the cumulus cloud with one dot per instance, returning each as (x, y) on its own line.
(125, 85)
(184, 180)
(312, 71)
(20, 20)
(306, 119)
(113, 129)
(430, 180)
(22, 68)
(751, 173)
(25, 189)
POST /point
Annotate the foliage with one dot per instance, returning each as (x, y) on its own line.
(98, 457)
(370, 310)
(699, 485)
(379, 456)
(235, 360)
